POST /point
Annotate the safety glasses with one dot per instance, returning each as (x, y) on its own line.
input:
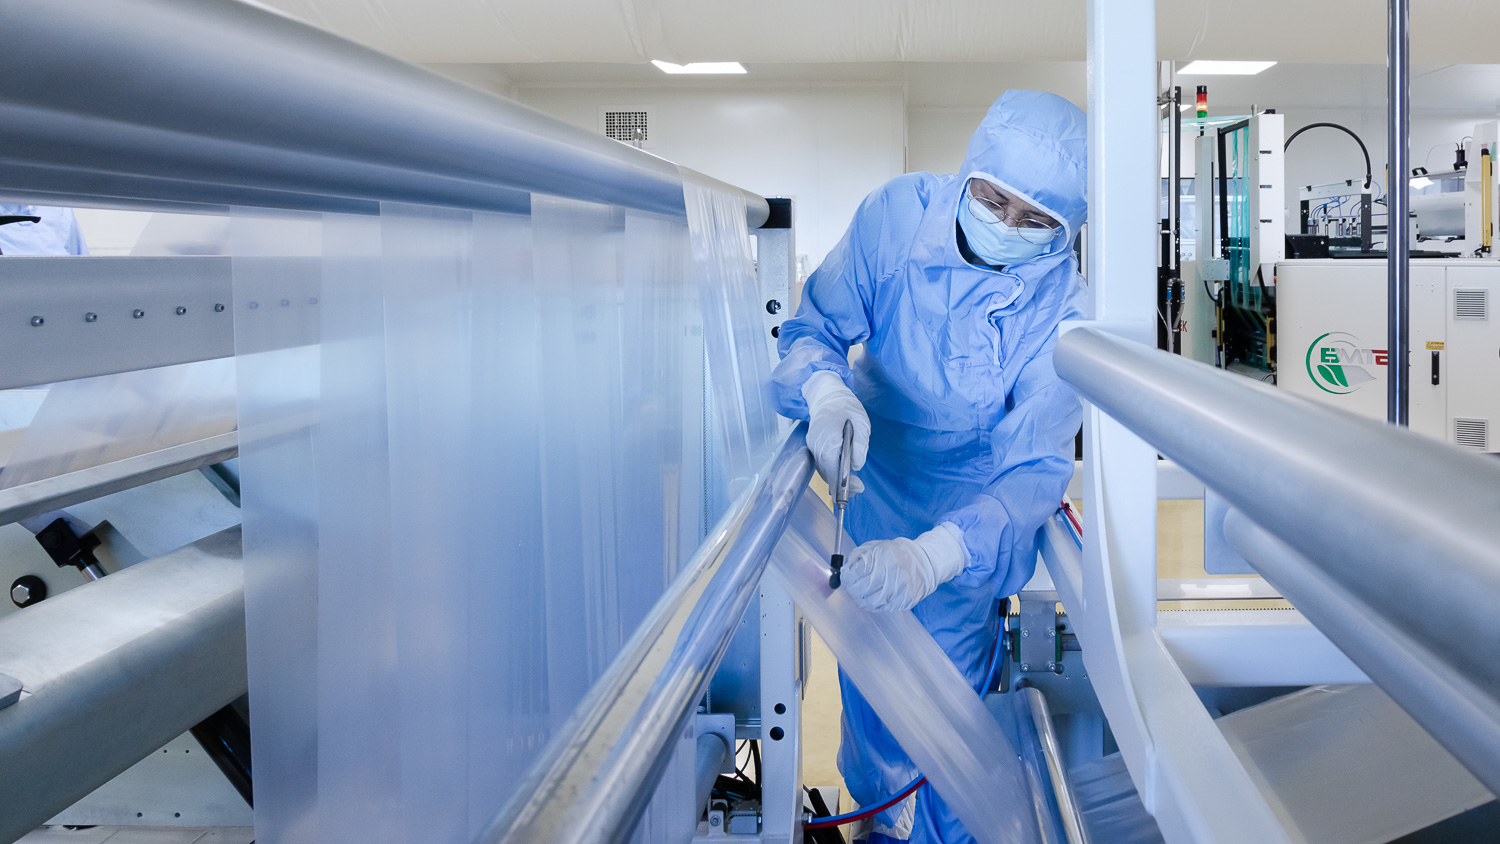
(993, 204)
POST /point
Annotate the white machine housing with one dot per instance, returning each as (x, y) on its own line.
(1331, 338)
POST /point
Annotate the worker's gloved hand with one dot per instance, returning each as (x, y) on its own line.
(890, 575)
(829, 404)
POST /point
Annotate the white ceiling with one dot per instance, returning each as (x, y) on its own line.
(879, 31)
(1468, 89)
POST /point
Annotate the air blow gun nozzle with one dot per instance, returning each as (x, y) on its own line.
(840, 492)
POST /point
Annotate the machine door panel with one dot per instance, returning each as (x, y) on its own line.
(1473, 352)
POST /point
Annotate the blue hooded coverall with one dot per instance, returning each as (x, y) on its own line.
(56, 234)
(969, 422)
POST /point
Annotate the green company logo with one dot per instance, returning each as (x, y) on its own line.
(1338, 364)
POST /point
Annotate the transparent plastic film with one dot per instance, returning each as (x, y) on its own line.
(359, 777)
(278, 371)
(738, 347)
(475, 451)
(918, 693)
(93, 421)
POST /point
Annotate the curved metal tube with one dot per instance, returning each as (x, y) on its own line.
(222, 102)
(596, 776)
(1375, 510)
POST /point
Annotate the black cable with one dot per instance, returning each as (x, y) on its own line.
(1369, 172)
(755, 754)
(1210, 292)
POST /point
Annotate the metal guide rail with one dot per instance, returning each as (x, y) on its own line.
(597, 774)
(1385, 539)
(228, 103)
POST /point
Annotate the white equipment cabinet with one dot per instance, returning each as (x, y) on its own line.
(1331, 342)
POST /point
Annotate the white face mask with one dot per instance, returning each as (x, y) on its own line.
(994, 242)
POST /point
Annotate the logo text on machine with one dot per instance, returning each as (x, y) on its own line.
(1338, 363)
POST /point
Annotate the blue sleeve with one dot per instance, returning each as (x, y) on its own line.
(1033, 458)
(76, 244)
(836, 309)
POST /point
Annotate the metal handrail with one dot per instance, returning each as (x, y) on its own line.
(220, 102)
(595, 777)
(1399, 526)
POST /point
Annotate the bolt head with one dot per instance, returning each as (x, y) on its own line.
(181, 310)
(20, 593)
(36, 322)
(219, 308)
(1051, 666)
(1025, 666)
(90, 317)
(138, 313)
(1051, 633)
(1025, 633)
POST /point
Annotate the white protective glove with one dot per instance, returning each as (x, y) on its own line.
(829, 404)
(890, 575)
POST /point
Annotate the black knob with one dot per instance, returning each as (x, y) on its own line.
(773, 307)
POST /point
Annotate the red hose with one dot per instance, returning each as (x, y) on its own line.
(840, 820)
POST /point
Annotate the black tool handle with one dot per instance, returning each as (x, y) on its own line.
(836, 562)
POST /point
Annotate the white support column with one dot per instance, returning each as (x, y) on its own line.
(1186, 773)
(781, 632)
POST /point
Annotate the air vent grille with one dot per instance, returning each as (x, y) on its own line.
(623, 126)
(1474, 433)
(1471, 304)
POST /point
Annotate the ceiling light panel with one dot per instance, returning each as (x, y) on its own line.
(700, 67)
(1218, 68)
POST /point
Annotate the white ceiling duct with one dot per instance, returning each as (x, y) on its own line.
(680, 31)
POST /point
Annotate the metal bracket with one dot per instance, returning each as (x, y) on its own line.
(1044, 653)
(1216, 269)
(721, 725)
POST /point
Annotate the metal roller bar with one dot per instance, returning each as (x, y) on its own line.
(61, 491)
(1035, 710)
(113, 670)
(1456, 709)
(596, 776)
(708, 761)
(1397, 521)
(227, 102)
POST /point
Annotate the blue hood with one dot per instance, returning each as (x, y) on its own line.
(1036, 144)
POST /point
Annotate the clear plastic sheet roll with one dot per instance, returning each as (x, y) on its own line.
(474, 457)
(917, 692)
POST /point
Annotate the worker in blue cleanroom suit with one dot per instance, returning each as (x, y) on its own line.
(954, 286)
(55, 233)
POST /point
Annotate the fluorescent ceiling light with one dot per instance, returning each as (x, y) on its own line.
(700, 67)
(1212, 68)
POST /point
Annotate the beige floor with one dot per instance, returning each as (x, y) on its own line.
(1179, 548)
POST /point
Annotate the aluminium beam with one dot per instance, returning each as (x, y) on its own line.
(63, 318)
(113, 670)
